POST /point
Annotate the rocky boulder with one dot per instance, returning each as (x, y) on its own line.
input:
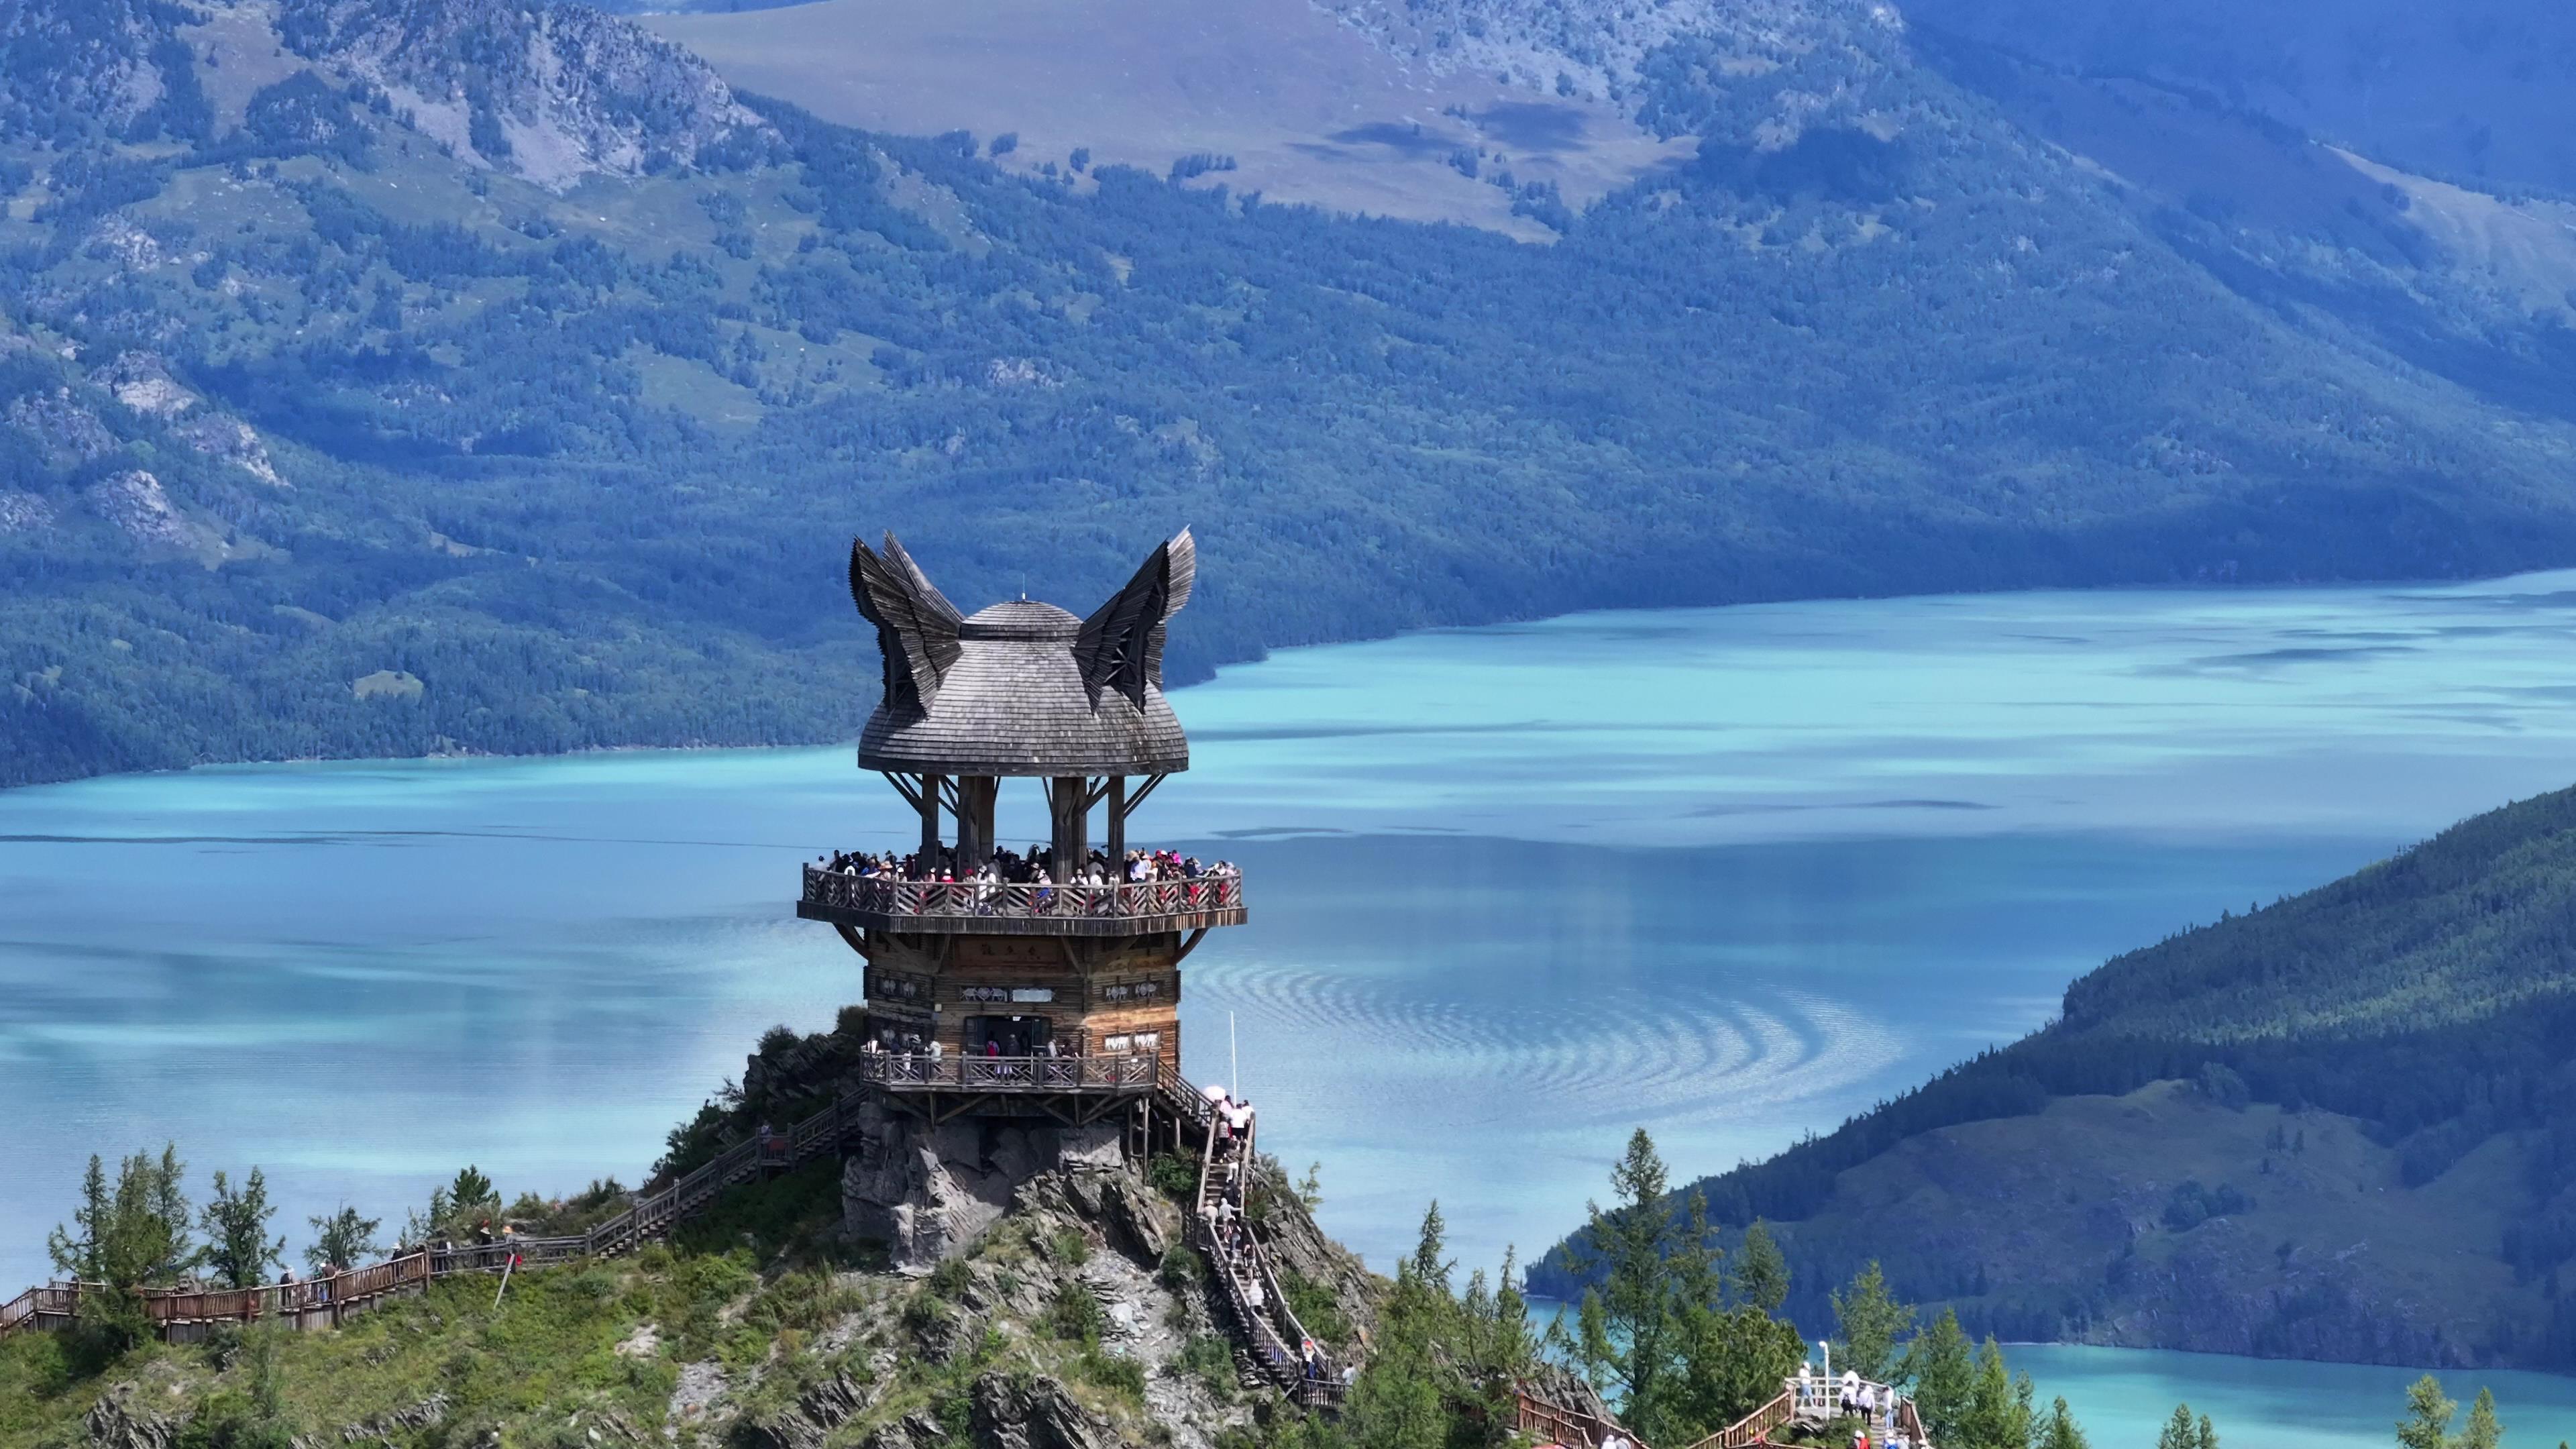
(1034, 1412)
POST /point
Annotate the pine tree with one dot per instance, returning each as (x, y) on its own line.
(1998, 1414)
(238, 1249)
(1943, 1371)
(2178, 1432)
(2482, 1431)
(2208, 1436)
(1399, 1401)
(2427, 1424)
(125, 1239)
(1625, 1327)
(2061, 1431)
(77, 1249)
(341, 1240)
(1761, 1274)
(1871, 1322)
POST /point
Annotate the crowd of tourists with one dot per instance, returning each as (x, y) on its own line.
(1036, 867)
(1815, 1395)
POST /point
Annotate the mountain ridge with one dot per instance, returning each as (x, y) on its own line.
(563, 420)
(2332, 1127)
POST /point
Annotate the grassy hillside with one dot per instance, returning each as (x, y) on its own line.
(386, 378)
(757, 1328)
(2338, 1126)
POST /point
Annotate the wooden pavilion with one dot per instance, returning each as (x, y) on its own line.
(1055, 996)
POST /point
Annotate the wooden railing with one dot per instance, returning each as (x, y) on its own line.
(1564, 1424)
(948, 900)
(971, 1073)
(1815, 1400)
(57, 1304)
(1754, 1428)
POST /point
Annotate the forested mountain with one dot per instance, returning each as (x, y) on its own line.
(2340, 1126)
(392, 376)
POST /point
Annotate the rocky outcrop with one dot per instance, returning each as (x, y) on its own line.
(929, 1192)
(1300, 1247)
(119, 1421)
(135, 503)
(24, 513)
(1034, 1413)
(62, 425)
(1591, 48)
(552, 93)
(143, 382)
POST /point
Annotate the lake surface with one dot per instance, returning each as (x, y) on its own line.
(1729, 874)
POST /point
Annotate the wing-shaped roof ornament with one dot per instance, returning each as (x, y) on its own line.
(916, 625)
(1121, 644)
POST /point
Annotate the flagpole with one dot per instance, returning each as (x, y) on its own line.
(1233, 1067)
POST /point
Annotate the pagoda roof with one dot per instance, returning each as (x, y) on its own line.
(1022, 687)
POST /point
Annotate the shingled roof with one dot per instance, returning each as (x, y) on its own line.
(1021, 688)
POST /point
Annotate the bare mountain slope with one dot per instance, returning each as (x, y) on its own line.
(1287, 100)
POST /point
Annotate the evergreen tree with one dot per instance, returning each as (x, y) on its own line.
(1761, 1274)
(77, 1249)
(1399, 1401)
(2178, 1431)
(2482, 1431)
(472, 1191)
(1943, 1371)
(1625, 1330)
(1871, 1322)
(1999, 1411)
(2427, 1424)
(238, 1249)
(2208, 1436)
(2061, 1431)
(126, 1239)
(341, 1240)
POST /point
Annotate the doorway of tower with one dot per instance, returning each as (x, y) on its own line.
(1007, 1036)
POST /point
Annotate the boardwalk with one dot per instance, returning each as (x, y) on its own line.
(1804, 1403)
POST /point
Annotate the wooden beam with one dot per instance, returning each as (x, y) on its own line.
(910, 793)
(1190, 945)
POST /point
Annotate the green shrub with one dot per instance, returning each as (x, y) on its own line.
(1181, 1269)
(1316, 1308)
(1076, 1315)
(1175, 1174)
(949, 1279)
(1208, 1359)
(1117, 1373)
(1069, 1246)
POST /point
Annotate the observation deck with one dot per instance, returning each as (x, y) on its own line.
(1137, 908)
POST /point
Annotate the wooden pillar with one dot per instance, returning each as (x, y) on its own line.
(929, 816)
(975, 795)
(1068, 794)
(1117, 827)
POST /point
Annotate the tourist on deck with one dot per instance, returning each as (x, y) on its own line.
(1851, 1390)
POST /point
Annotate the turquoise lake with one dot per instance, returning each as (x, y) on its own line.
(1729, 874)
